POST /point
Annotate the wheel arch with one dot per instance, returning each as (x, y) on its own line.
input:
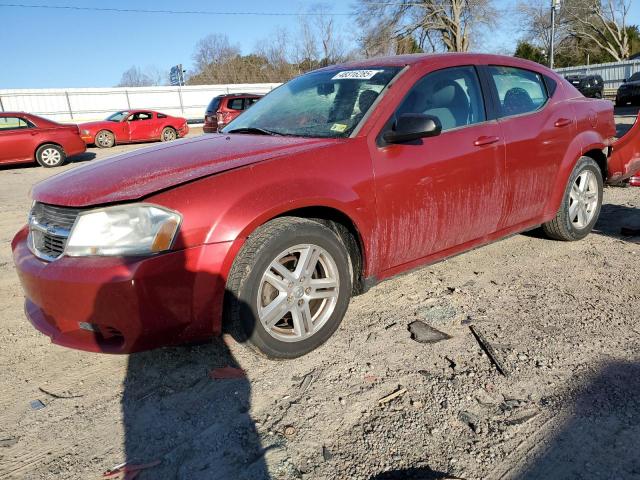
(588, 143)
(601, 159)
(42, 144)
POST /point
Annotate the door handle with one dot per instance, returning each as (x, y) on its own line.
(484, 140)
(562, 122)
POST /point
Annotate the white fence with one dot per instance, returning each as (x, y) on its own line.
(85, 104)
(612, 73)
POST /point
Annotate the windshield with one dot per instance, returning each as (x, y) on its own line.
(327, 104)
(635, 77)
(117, 117)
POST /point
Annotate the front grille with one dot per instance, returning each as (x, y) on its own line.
(49, 228)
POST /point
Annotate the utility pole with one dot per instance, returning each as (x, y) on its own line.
(555, 5)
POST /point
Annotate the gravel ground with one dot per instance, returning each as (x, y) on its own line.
(561, 320)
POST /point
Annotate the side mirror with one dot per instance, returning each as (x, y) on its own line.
(624, 81)
(412, 126)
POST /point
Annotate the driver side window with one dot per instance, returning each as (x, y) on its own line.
(453, 95)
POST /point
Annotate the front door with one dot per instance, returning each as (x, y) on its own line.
(444, 191)
(140, 126)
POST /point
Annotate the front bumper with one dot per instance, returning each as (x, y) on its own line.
(116, 305)
(88, 139)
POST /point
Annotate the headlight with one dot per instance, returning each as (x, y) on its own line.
(136, 229)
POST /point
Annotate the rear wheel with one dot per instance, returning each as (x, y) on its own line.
(50, 155)
(289, 287)
(580, 205)
(168, 134)
(105, 139)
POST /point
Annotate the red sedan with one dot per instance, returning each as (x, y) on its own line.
(26, 138)
(133, 126)
(339, 179)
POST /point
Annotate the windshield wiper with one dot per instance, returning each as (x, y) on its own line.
(261, 131)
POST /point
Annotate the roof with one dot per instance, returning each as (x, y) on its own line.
(415, 58)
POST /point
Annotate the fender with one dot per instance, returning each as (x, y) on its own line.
(223, 209)
(583, 142)
(625, 158)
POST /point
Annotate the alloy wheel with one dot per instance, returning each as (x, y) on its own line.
(583, 199)
(298, 292)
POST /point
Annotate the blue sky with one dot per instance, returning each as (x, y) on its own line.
(46, 48)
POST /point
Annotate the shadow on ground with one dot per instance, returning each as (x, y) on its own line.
(602, 438)
(83, 157)
(174, 413)
(614, 218)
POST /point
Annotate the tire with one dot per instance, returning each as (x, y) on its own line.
(584, 190)
(105, 139)
(251, 297)
(168, 134)
(50, 155)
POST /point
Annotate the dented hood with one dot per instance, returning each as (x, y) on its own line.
(134, 175)
(625, 158)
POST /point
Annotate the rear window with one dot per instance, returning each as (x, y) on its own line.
(214, 105)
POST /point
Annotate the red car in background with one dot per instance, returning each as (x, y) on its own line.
(132, 126)
(25, 138)
(338, 179)
(224, 108)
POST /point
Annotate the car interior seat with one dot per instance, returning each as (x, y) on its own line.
(449, 103)
(517, 101)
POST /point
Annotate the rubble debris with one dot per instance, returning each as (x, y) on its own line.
(488, 349)
(397, 393)
(423, 333)
(326, 454)
(8, 442)
(289, 431)
(58, 395)
(36, 405)
(130, 471)
(306, 382)
(521, 418)
(440, 314)
(471, 420)
(224, 373)
(630, 232)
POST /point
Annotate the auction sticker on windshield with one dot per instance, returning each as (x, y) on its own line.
(355, 74)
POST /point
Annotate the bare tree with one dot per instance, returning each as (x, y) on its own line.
(435, 24)
(211, 50)
(604, 22)
(135, 77)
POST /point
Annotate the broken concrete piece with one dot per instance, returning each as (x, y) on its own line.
(386, 399)
(423, 333)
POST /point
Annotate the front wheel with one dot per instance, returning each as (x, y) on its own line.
(105, 139)
(289, 287)
(580, 204)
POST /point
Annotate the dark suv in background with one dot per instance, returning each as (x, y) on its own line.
(629, 91)
(589, 85)
(224, 108)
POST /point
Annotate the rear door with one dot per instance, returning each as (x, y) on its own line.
(440, 192)
(537, 131)
(16, 140)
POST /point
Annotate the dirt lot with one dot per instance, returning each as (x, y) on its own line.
(562, 318)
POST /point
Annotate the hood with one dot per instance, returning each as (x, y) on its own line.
(136, 174)
(96, 124)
